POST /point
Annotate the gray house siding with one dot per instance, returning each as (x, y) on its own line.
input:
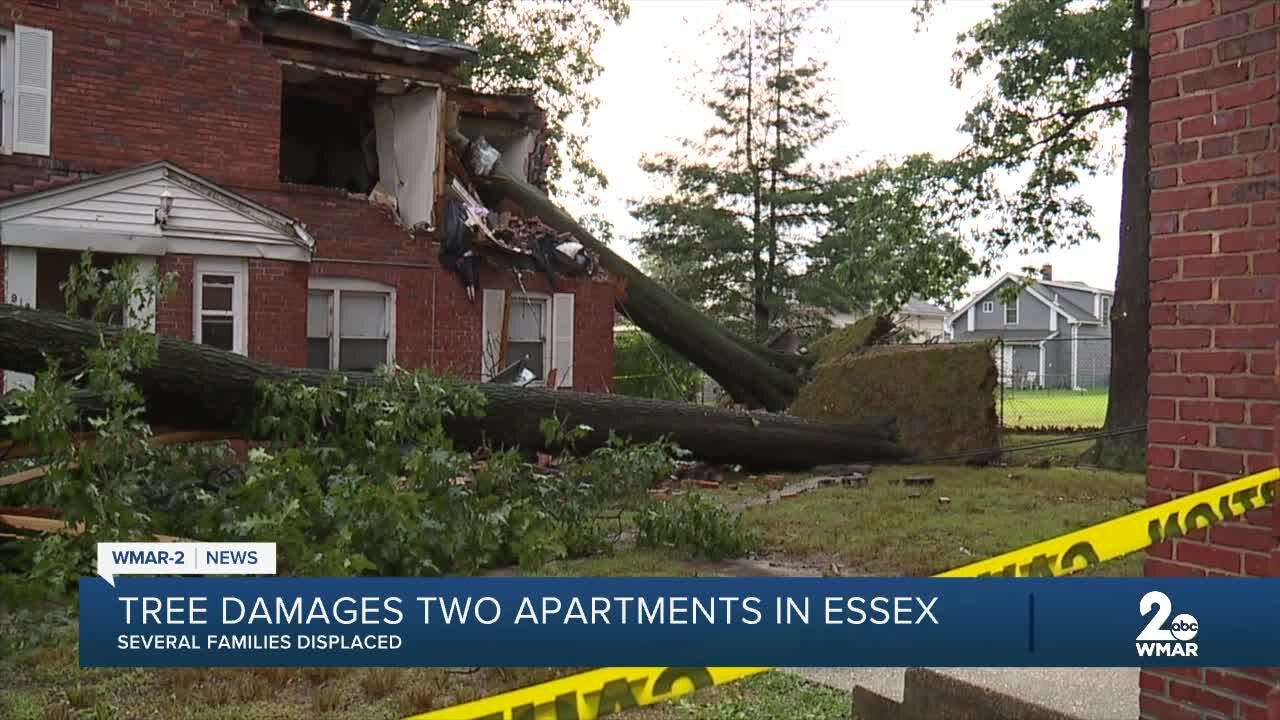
(1057, 363)
(1077, 356)
(1032, 313)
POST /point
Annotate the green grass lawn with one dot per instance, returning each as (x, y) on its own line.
(882, 530)
(1053, 409)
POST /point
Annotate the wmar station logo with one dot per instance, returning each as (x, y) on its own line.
(1156, 640)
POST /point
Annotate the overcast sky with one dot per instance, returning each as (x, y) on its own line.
(890, 86)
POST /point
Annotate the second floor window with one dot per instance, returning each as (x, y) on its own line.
(988, 307)
(1011, 313)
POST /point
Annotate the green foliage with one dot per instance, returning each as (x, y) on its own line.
(647, 368)
(749, 228)
(1055, 78)
(356, 477)
(696, 525)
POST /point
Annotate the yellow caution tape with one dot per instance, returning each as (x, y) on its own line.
(1130, 533)
(596, 693)
(592, 694)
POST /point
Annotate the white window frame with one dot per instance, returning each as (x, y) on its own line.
(1016, 312)
(547, 310)
(988, 307)
(238, 269)
(335, 286)
(1104, 310)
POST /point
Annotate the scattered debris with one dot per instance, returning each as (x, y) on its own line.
(544, 460)
(697, 470)
(773, 482)
(850, 480)
(913, 495)
(707, 484)
(944, 500)
(917, 480)
(838, 470)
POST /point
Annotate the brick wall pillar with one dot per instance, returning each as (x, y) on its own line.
(1215, 261)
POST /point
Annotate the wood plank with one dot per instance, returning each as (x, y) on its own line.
(47, 525)
(362, 65)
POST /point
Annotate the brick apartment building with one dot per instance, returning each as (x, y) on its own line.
(290, 170)
(1215, 264)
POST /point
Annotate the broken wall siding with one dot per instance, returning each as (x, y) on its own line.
(943, 396)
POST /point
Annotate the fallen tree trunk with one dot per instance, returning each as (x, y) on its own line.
(195, 387)
(754, 375)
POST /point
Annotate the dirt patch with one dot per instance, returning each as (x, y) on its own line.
(943, 396)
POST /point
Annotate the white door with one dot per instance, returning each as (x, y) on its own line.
(19, 289)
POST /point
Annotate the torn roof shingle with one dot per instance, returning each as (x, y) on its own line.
(451, 49)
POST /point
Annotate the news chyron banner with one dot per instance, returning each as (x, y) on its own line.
(129, 618)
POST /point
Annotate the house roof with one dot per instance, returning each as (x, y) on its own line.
(122, 204)
(1076, 285)
(425, 44)
(1041, 290)
(916, 306)
(1072, 310)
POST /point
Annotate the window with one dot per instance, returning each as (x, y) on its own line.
(1011, 313)
(350, 325)
(341, 132)
(221, 304)
(26, 90)
(527, 335)
(538, 328)
(988, 307)
(1104, 311)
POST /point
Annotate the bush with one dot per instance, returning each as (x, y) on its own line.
(353, 477)
(694, 524)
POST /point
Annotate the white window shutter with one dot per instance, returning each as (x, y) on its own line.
(32, 90)
(562, 339)
(491, 333)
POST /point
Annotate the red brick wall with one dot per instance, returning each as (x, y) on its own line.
(189, 81)
(278, 311)
(1215, 264)
(183, 80)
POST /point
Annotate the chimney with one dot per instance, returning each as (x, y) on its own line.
(1046, 272)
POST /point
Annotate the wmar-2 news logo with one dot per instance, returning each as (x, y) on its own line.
(1156, 640)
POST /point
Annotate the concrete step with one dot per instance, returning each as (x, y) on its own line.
(986, 693)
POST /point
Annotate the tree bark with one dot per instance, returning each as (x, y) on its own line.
(750, 373)
(195, 387)
(1130, 343)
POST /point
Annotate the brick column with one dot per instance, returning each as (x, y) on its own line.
(1214, 309)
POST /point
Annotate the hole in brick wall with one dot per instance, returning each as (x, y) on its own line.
(327, 134)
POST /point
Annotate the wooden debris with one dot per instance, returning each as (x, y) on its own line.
(708, 484)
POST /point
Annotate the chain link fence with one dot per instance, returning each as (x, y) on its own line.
(1057, 384)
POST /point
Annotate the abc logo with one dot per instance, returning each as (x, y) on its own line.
(1184, 627)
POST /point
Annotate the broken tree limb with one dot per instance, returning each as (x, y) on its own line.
(752, 374)
(195, 387)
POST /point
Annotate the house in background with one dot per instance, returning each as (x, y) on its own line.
(1053, 334)
(929, 321)
(290, 170)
